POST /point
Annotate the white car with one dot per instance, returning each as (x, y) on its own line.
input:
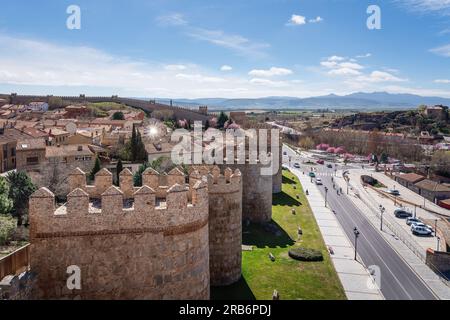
(421, 231)
(421, 224)
(319, 182)
(297, 165)
(410, 221)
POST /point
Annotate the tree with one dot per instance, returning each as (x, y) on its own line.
(384, 158)
(6, 203)
(118, 116)
(223, 118)
(95, 169)
(162, 164)
(55, 103)
(119, 169)
(440, 163)
(20, 189)
(133, 144)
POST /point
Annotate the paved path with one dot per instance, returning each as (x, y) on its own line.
(355, 278)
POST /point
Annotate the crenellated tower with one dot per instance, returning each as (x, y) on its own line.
(225, 223)
(150, 242)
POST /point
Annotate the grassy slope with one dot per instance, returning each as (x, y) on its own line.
(292, 279)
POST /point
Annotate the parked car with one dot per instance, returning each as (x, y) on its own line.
(421, 224)
(312, 174)
(319, 182)
(402, 214)
(394, 192)
(410, 221)
(320, 162)
(297, 165)
(329, 166)
(285, 153)
(421, 231)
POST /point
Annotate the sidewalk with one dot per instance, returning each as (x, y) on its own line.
(439, 288)
(356, 280)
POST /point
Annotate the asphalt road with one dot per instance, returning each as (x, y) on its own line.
(398, 281)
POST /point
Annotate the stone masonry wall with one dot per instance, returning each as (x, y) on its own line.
(225, 225)
(157, 249)
(257, 192)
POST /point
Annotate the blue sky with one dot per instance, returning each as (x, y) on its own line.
(234, 49)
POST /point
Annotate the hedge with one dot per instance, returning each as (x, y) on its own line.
(305, 254)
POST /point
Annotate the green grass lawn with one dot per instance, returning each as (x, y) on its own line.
(293, 280)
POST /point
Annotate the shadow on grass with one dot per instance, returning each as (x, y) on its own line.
(269, 235)
(283, 199)
(287, 180)
(237, 291)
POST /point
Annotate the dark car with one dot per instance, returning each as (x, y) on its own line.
(329, 166)
(402, 214)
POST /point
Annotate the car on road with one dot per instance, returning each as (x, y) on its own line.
(319, 182)
(411, 220)
(393, 192)
(329, 166)
(297, 165)
(421, 231)
(402, 214)
(285, 153)
(312, 174)
(320, 162)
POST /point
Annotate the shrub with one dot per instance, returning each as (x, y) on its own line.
(305, 254)
(7, 227)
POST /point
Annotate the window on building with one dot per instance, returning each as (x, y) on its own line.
(32, 160)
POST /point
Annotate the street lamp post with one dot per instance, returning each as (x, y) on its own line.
(356, 232)
(382, 210)
(326, 196)
(415, 211)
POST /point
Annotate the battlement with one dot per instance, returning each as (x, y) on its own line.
(160, 183)
(226, 182)
(179, 207)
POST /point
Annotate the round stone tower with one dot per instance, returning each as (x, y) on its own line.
(154, 247)
(225, 224)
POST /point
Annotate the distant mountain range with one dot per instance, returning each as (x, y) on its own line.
(360, 100)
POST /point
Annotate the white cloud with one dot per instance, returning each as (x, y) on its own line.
(437, 6)
(175, 67)
(329, 64)
(226, 68)
(442, 51)
(445, 81)
(380, 76)
(367, 55)
(237, 43)
(316, 20)
(170, 20)
(296, 20)
(267, 82)
(274, 71)
(344, 72)
(351, 65)
(199, 78)
(340, 66)
(336, 58)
